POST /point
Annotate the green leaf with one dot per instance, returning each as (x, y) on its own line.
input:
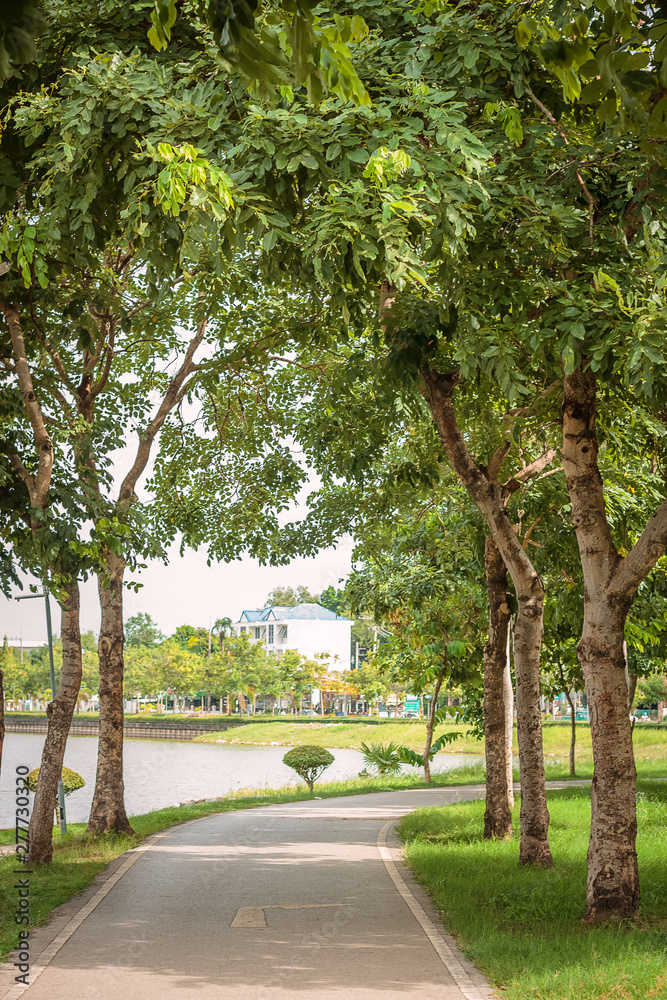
(270, 239)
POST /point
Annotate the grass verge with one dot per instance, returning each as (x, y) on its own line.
(78, 857)
(522, 927)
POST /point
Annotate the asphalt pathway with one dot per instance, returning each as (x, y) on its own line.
(304, 900)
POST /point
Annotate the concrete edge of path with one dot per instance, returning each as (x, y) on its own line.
(470, 981)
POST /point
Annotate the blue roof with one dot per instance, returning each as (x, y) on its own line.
(303, 612)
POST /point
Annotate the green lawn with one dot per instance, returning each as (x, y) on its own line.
(522, 927)
(650, 742)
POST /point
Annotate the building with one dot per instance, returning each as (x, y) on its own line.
(310, 629)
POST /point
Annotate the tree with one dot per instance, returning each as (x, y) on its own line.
(141, 630)
(241, 665)
(651, 691)
(139, 244)
(192, 638)
(309, 762)
(287, 597)
(333, 599)
(53, 273)
(45, 542)
(497, 813)
(299, 675)
(180, 669)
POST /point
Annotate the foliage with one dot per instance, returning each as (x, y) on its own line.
(31, 676)
(309, 762)
(421, 579)
(71, 780)
(141, 630)
(285, 45)
(334, 599)
(384, 757)
(650, 691)
(192, 638)
(20, 21)
(287, 597)
(369, 681)
(408, 756)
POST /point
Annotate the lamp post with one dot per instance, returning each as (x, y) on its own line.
(47, 604)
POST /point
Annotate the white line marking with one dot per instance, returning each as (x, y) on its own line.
(448, 958)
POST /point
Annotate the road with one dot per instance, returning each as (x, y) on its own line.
(303, 900)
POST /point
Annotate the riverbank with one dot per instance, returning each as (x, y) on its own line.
(650, 741)
(78, 857)
(522, 926)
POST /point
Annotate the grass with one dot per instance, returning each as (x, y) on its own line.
(78, 858)
(522, 927)
(650, 743)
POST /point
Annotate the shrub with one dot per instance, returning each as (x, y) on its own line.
(308, 762)
(382, 756)
(71, 780)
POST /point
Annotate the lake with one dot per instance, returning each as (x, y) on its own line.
(161, 773)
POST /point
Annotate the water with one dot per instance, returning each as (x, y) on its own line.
(161, 773)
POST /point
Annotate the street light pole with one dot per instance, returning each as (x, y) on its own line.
(49, 633)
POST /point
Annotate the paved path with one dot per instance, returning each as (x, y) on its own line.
(304, 900)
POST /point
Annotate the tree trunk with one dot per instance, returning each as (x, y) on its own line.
(59, 715)
(430, 724)
(508, 700)
(108, 809)
(610, 583)
(2, 715)
(497, 816)
(612, 888)
(534, 847)
(490, 497)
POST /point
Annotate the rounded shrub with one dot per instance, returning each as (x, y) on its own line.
(71, 780)
(309, 762)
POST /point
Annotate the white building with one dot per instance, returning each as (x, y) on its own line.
(310, 629)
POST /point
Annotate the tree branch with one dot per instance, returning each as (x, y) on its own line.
(534, 469)
(21, 471)
(59, 366)
(643, 555)
(486, 494)
(43, 443)
(497, 459)
(169, 401)
(99, 385)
